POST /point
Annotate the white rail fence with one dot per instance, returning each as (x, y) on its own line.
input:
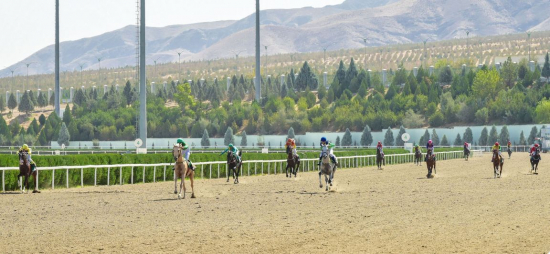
(206, 169)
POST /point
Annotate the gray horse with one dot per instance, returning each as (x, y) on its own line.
(326, 169)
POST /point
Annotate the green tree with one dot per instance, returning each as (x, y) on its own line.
(493, 136)
(244, 141)
(185, 99)
(388, 138)
(437, 119)
(291, 133)
(2, 104)
(306, 79)
(546, 68)
(509, 72)
(67, 116)
(532, 135)
(398, 140)
(42, 119)
(542, 112)
(346, 139)
(228, 137)
(435, 138)
(486, 84)
(482, 116)
(468, 136)
(26, 104)
(351, 73)
(446, 76)
(522, 141)
(458, 140)
(64, 136)
(42, 100)
(366, 137)
(425, 138)
(205, 140)
(444, 141)
(337, 143)
(504, 135)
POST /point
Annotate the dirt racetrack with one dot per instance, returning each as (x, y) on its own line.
(393, 210)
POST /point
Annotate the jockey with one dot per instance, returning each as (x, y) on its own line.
(429, 147)
(291, 145)
(379, 147)
(496, 147)
(233, 149)
(327, 147)
(26, 148)
(533, 150)
(509, 144)
(466, 146)
(417, 148)
(186, 152)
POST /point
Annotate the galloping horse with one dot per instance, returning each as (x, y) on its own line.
(418, 157)
(466, 154)
(292, 163)
(380, 158)
(234, 166)
(535, 161)
(430, 163)
(498, 162)
(509, 153)
(25, 171)
(182, 170)
(326, 169)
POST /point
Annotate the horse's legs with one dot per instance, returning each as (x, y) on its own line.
(183, 182)
(181, 186)
(286, 169)
(320, 183)
(326, 182)
(228, 172)
(26, 183)
(175, 182)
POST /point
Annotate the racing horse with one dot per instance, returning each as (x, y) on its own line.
(182, 170)
(509, 153)
(234, 166)
(292, 163)
(418, 157)
(25, 171)
(327, 169)
(535, 161)
(498, 162)
(380, 158)
(466, 153)
(430, 163)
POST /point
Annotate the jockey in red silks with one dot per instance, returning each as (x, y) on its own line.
(429, 147)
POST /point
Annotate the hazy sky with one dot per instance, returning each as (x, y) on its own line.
(27, 26)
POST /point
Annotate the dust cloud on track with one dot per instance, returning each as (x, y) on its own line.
(463, 209)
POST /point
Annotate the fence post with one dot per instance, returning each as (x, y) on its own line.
(81, 177)
(202, 171)
(120, 175)
(3, 182)
(53, 179)
(218, 171)
(154, 174)
(143, 174)
(164, 173)
(248, 168)
(268, 167)
(108, 175)
(95, 177)
(67, 177)
(132, 176)
(210, 171)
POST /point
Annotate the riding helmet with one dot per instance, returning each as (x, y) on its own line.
(180, 141)
(323, 139)
(25, 147)
(536, 145)
(497, 144)
(231, 145)
(430, 141)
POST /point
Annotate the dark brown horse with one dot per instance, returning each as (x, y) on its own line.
(498, 162)
(535, 162)
(292, 163)
(430, 163)
(25, 171)
(234, 166)
(418, 157)
(380, 158)
(466, 153)
(509, 153)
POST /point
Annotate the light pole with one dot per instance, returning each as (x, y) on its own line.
(237, 53)
(258, 78)
(365, 61)
(425, 52)
(81, 65)
(27, 64)
(325, 56)
(266, 58)
(529, 41)
(12, 80)
(99, 71)
(155, 61)
(179, 63)
(468, 42)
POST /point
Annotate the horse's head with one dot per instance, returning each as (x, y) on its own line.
(290, 156)
(325, 157)
(176, 151)
(231, 157)
(24, 158)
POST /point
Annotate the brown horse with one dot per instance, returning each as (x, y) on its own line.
(466, 153)
(535, 159)
(418, 157)
(234, 166)
(182, 170)
(498, 162)
(292, 163)
(380, 158)
(25, 171)
(430, 163)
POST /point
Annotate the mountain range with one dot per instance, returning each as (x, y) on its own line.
(307, 29)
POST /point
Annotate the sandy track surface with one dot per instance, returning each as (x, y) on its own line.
(392, 210)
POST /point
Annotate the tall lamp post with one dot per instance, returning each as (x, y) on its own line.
(27, 64)
(425, 53)
(179, 64)
(81, 66)
(237, 53)
(155, 61)
(266, 46)
(468, 42)
(99, 71)
(12, 80)
(529, 41)
(258, 78)
(365, 61)
(325, 56)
